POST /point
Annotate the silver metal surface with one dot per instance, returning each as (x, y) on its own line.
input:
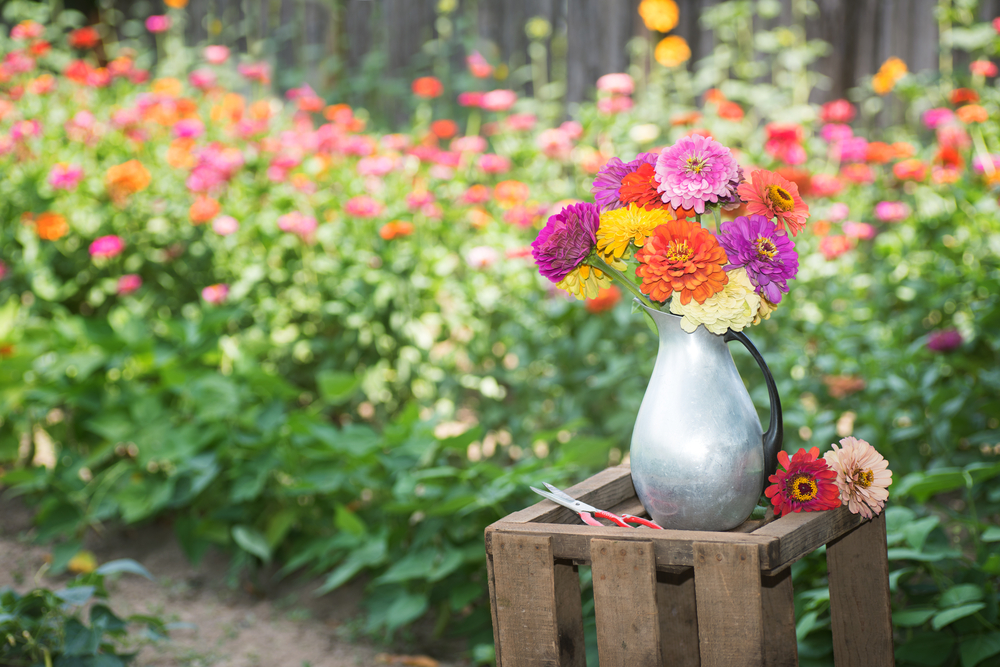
(697, 447)
(561, 498)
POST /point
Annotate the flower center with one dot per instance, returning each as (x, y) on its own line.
(802, 488)
(695, 164)
(865, 479)
(679, 252)
(780, 198)
(765, 248)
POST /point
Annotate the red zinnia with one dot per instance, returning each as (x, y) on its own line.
(639, 188)
(681, 257)
(444, 128)
(84, 38)
(963, 96)
(427, 86)
(805, 485)
(772, 196)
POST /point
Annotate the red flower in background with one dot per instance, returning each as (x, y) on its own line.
(963, 96)
(606, 299)
(837, 111)
(444, 128)
(427, 87)
(983, 68)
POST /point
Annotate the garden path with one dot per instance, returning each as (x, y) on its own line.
(282, 626)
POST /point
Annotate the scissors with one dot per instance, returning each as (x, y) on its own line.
(587, 513)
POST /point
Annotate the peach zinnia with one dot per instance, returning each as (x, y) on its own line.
(682, 257)
(51, 226)
(863, 476)
(126, 179)
(772, 196)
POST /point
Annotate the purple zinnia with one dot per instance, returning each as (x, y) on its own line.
(608, 184)
(944, 340)
(695, 171)
(566, 240)
(769, 256)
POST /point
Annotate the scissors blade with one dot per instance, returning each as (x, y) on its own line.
(559, 500)
(570, 501)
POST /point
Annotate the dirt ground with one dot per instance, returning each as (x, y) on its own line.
(283, 626)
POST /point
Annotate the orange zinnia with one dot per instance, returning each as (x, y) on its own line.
(391, 230)
(126, 179)
(772, 196)
(51, 226)
(659, 15)
(963, 96)
(672, 51)
(510, 193)
(444, 128)
(681, 257)
(972, 113)
(880, 153)
(427, 87)
(203, 209)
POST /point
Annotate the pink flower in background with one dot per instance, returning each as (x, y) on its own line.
(299, 224)
(784, 142)
(983, 68)
(258, 72)
(854, 149)
(859, 230)
(107, 246)
(498, 100)
(224, 225)
(18, 62)
(833, 247)
(425, 153)
(839, 211)
(447, 158)
(65, 176)
(473, 144)
(376, 165)
(27, 30)
(476, 194)
(482, 257)
(953, 136)
(944, 340)
(202, 79)
(158, 23)
(833, 132)
(359, 145)
(441, 172)
(418, 198)
(189, 128)
(891, 211)
(572, 129)
(616, 84)
(363, 206)
(555, 143)
(395, 142)
(478, 66)
(858, 173)
(6, 144)
(129, 283)
(934, 118)
(215, 294)
(837, 111)
(25, 129)
(494, 164)
(216, 54)
(614, 104)
(81, 127)
(979, 163)
(470, 99)
(3, 271)
(522, 122)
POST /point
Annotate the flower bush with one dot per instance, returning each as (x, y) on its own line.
(317, 342)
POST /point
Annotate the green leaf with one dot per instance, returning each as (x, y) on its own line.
(922, 486)
(347, 521)
(916, 532)
(124, 565)
(991, 534)
(252, 541)
(80, 640)
(103, 619)
(414, 565)
(926, 649)
(977, 648)
(76, 595)
(949, 616)
(62, 554)
(960, 595)
(923, 556)
(337, 387)
(406, 608)
(910, 618)
(370, 554)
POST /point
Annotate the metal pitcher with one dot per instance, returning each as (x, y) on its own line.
(699, 457)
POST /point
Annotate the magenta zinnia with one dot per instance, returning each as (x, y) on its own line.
(768, 256)
(608, 183)
(694, 172)
(805, 485)
(566, 240)
(863, 476)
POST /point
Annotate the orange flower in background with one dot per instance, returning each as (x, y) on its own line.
(427, 87)
(444, 128)
(685, 118)
(659, 15)
(821, 227)
(338, 113)
(963, 96)
(801, 178)
(229, 109)
(179, 154)
(479, 218)
(44, 84)
(511, 193)
(606, 299)
(972, 113)
(714, 96)
(888, 75)
(681, 257)
(910, 170)
(176, 4)
(842, 386)
(168, 87)
(260, 110)
(391, 230)
(672, 51)
(945, 175)
(904, 150)
(730, 111)
(126, 179)
(203, 209)
(880, 153)
(51, 226)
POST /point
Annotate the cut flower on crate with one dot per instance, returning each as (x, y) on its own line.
(640, 233)
(854, 475)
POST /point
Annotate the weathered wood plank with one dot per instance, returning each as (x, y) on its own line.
(569, 616)
(778, 607)
(525, 601)
(628, 630)
(800, 533)
(728, 595)
(860, 610)
(678, 610)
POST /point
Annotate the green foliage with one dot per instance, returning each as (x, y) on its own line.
(46, 627)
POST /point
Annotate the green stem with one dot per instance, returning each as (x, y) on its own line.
(984, 155)
(599, 263)
(717, 213)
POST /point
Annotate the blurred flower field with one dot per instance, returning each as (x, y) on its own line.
(323, 344)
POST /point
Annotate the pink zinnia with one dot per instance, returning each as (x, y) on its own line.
(107, 246)
(158, 23)
(837, 111)
(863, 476)
(695, 171)
(216, 54)
(891, 211)
(129, 283)
(983, 68)
(65, 176)
(202, 79)
(522, 122)
(470, 99)
(616, 84)
(189, 128)
(859, 230)
(3, 270)
(419, 198)
(375, 165)
(296, 223)
(494, 164)
(224, 225)
(839, 211)
(363, 206)
(573, 129)
(933, 118)
(555, 143)
(215, 294)
(259, 72)
(833, 132)
(473, 144)
(498, 100)
(854, 149)
(614, 105)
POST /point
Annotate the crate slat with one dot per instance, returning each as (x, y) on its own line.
(727, 592)
(628, 629)
(777, 600)
(799, 533)
(678, 618)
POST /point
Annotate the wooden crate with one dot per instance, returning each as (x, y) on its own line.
(684, 598)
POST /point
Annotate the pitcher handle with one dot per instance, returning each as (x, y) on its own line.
(775, 429)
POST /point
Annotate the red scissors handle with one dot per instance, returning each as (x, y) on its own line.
(618, 521)
(642, 522)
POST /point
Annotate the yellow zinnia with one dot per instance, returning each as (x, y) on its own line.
(584, 282)
(672, 51)
(735, 307)
(659, 15)
(888, 75)
(623, 226)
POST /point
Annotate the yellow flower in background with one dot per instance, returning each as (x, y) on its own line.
(84, 562)
(672, 51)
(622, 226)
(659, 15)
(888, 75)
(584, 282)
(735, 307)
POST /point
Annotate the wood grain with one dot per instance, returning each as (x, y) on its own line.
(778, 607)
(628, 630)
(569, 616)
(728, 596)
(678, 612)
(801, 533)
(860, 610)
